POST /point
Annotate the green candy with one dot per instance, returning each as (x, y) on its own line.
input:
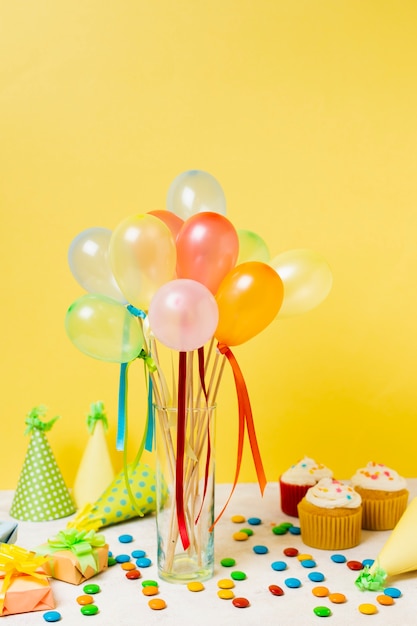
(149, 583)
(237, 575)
(89, 609)
(228, 562)
(247, 531)
(280, 530)
(91, 588)
(322, 611)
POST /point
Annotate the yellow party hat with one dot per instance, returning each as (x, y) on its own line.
(398, 555)
(96, 470)
(41, 493)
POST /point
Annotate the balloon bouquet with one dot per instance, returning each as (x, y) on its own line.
(185, 279)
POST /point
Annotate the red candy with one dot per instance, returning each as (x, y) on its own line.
(133, 574)
(355, 565)
(240, 603)
(290, 551)
(276, 590)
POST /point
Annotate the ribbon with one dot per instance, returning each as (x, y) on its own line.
(80, 542)
(202, 373)
(179, 469)
(97, 414)
(16, 561)
(245, 417)
(122, 407)
(33, 421)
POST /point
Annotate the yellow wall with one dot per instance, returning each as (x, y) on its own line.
(305, 111)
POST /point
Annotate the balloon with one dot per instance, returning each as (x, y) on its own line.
(183, 315)
(207, 249)
(249, 298)
(142, 257)
(173, 222)
(251, 247)
(88, 258)
(307, 280)
(104, 329)
(193, 192)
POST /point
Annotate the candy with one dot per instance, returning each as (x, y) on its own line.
(337, 598)
(52, 616)
(157, 604)
(294, 530)
(237, 575)
(138, 554)
(260, 549)
(279, 566)
(320, 592)
(85, 599)
(225, 594)
(254, 521)
(338, 558)
(276, 590)
(89, 609)
(122, 558)
(133, 574)
(143, 562)
(240, 603)
(125, 538)
(316, 577)
(238, 519)
(228, 562)
(91, 588)
(111, 561)
(240, 536)
(149, 582)
(354, 565)
(128, 566)
(367, 609)
(195, 586)
(280, 529)
(393, 592)
(322, 611)
(225, 583)
(150, 590)
(248, 531)
(293, 583)
(290, 551)
(385, 600)
(308, 563)
(304, 557)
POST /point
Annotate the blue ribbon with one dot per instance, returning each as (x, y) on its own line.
(121, 412)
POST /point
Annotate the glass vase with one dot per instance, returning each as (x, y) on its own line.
(196, 482)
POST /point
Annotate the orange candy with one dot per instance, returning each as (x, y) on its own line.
(157, 604)
(337, 598)
(385, 600)
(320, 592)
(150, 590)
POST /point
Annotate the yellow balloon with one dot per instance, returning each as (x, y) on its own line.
(307, 280)
(251, 247)
(142, 257)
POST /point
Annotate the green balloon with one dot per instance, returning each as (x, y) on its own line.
(104, 329)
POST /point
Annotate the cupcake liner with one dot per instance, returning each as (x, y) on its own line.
(291, 495)
(330, 529)
(383, 513)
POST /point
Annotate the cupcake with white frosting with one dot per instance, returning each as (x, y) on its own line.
(296, 480)
(384, 495)
(331, 516)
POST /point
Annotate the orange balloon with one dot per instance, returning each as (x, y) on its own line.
(171, 220)
(248, 298)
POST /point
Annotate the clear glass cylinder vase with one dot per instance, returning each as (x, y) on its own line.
(197, 484)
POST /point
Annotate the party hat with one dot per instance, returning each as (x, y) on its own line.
(96, 470)
(131, 494)
(398, 555)
(41, 494)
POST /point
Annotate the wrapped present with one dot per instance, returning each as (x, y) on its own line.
(8, 532)
(75, 555)
(24, 586)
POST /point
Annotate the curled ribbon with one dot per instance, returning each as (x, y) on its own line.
(245, 417)
(15, 561)
(80, 542)
(97, 414)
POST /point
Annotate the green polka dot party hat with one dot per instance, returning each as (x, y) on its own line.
(41, 494)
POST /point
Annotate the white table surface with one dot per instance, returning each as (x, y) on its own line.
(122, 603)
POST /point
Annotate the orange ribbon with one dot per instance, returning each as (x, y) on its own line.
(245, 416)
(16, 561)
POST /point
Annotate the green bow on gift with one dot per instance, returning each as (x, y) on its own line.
(80, 542)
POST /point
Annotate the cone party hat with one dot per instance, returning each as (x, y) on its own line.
(41, 494)
(398, 555)
(96, 470)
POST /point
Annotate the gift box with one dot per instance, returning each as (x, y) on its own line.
(24, 586)
(75, 555)
(8, 532)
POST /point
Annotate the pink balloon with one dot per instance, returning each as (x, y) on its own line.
(207, 249)
(183, 315)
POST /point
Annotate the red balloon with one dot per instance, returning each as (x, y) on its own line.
(171, 220)
(207, 249)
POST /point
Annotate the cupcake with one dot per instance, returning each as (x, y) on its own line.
(384, 496)
(295, 482)
(330, 516)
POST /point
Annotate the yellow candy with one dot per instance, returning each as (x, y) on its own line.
(367, 609)
(226, 594)
(304, 557)
(226, 583)
(238, 519)
(195, 586)
(240, 536)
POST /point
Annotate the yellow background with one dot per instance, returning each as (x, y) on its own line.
(305, 112)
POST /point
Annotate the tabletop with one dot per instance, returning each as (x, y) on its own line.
(120, 600)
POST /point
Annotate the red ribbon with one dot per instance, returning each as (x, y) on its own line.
(179, 473)
(245, 416)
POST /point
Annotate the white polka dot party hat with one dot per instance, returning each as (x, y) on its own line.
(41, 494)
